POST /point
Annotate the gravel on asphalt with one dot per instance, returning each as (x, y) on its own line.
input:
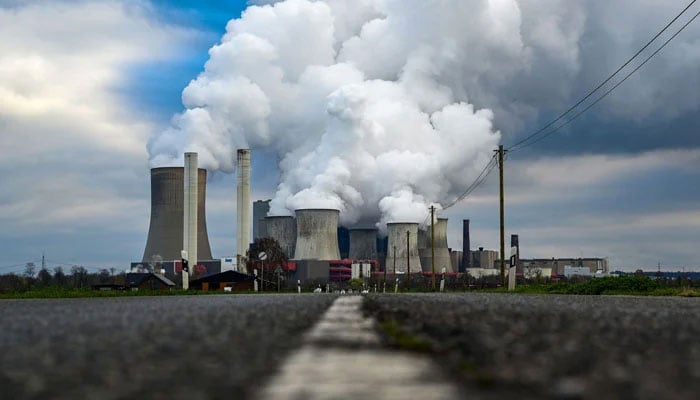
(180, 347)
(552, 346)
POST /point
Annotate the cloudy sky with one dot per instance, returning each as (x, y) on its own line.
(88, 88)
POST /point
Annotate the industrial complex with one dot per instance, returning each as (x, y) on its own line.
(312, 244)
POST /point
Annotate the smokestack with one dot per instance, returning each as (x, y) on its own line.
(397, 239)
(189, 239)
(515, 242)
(317, 234)
(363, 244)
(442, 252)
(166, 231)
(284, 230)
(243, 206)
(466, 247)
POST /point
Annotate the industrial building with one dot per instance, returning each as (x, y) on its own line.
(310, 239)
(260, 210)
(568, 266)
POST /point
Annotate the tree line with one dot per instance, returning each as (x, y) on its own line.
(76, 277)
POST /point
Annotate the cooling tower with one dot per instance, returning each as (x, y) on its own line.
(243, 204)
(456, 257)
(422, 237)
(284, 231)
(189, 230)
(363, 244)
(397, 239)
(442, 253)
(317, 235)
(165, 234)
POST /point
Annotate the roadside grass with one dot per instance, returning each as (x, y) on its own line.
(624, 285)
(403, 339)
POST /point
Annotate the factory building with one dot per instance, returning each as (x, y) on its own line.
(568, 266)
(260, 210)
(363, 244)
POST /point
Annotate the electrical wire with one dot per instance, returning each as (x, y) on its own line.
(604, 95)
(476, 183)
(526, 141)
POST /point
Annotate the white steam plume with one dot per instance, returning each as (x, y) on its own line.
(366, 102)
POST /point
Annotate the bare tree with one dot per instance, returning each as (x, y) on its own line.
(29, 270)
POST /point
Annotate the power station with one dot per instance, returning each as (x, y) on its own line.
(310, 238)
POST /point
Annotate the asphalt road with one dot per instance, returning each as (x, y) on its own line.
(194, 347)
(526, 346)
(210, 347)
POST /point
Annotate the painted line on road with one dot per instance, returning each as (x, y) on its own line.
(341, 358)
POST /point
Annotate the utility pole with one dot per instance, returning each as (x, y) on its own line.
(385, 277)
(394, 261)
(503, 229)
(43, 261)
(432, 243)
(408, 259)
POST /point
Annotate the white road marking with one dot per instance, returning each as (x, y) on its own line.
(341, 359)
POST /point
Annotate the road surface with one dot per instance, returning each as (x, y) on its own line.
(550, 346)
(184, 347)
(251, 346)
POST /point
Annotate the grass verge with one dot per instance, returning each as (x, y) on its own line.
(402, 339)
(624, 285)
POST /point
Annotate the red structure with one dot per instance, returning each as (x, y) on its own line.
(341, 270)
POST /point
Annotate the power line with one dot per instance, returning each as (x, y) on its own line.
(15, 265)
(476, 183)
(524, 142)
(61, 263)
(604, 95)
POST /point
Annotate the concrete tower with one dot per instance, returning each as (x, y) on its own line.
(165, 234)
(397, 239)
(243, 206)
(363, 244)
(189, 230)
(317, 234)
(284, 230)
(442, 253)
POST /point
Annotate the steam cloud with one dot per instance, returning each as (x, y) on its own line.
(366, 102)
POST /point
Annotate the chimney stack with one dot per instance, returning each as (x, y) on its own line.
(466, 247)
(243, 207)
(189, 239)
